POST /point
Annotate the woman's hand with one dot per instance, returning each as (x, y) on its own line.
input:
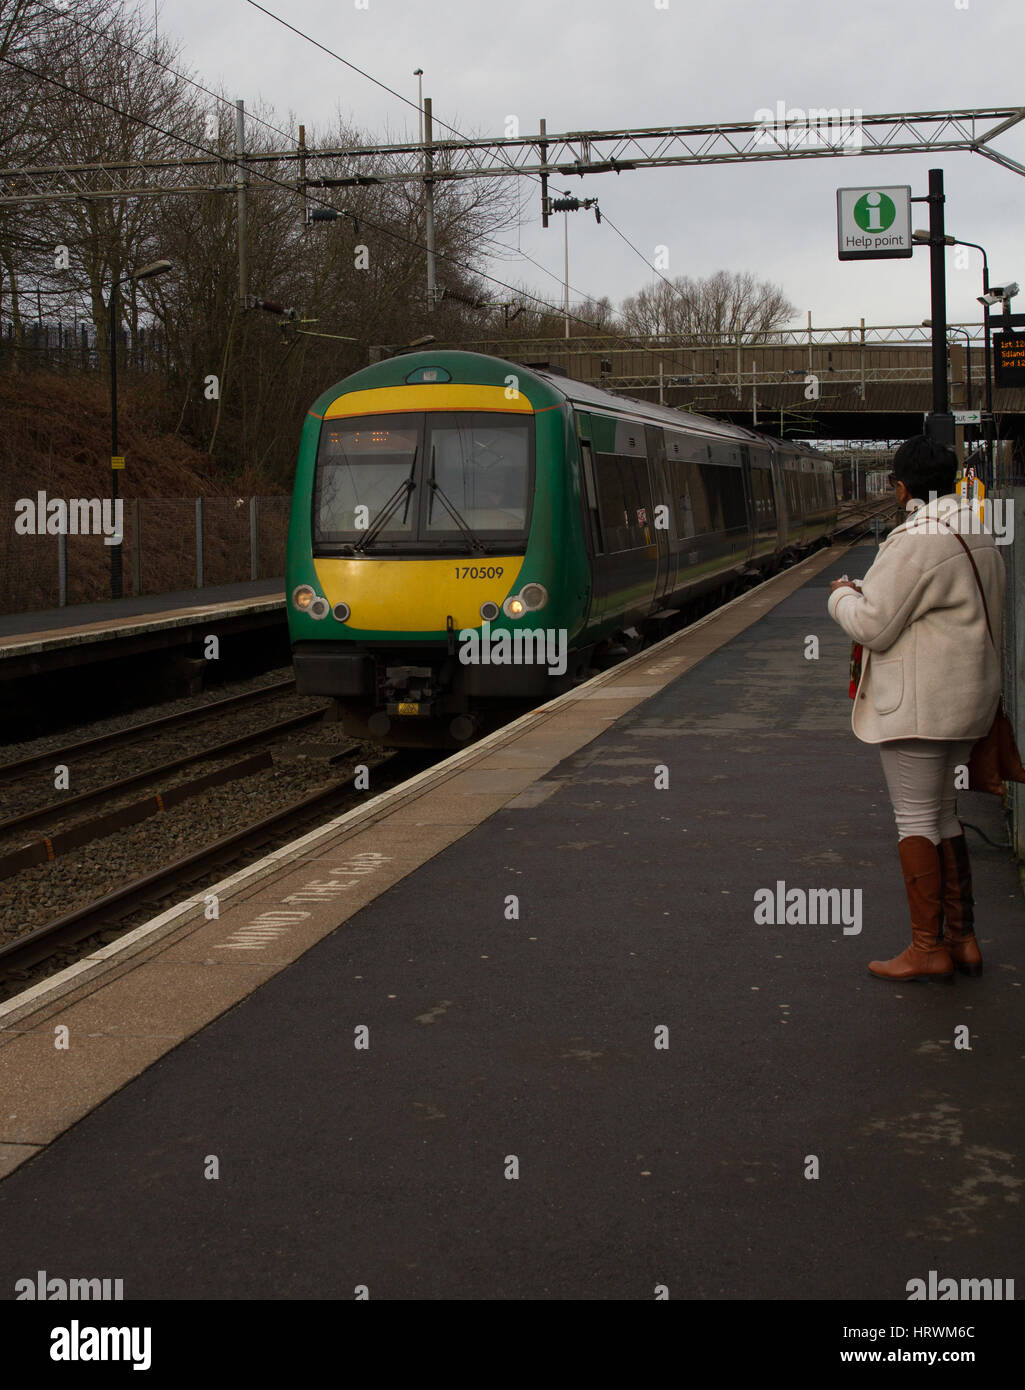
(844, 584)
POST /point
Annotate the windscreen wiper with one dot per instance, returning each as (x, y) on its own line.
(403, 490)
(475, 544)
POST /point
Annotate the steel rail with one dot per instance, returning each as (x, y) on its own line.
(137, 779)
(94, 745)
(72, 927)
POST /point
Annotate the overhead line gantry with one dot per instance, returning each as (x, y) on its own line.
(539, 156)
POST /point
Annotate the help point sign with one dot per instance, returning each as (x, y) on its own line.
(873, 223)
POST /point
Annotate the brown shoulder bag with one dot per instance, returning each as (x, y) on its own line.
(994, 758)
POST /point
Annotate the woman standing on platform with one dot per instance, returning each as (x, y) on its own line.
(930, 683)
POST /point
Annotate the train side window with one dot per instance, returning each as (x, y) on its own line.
(724, 483)
(591, 497)
(693, 510)
(637, 490)
(761, 487)
(624, 501)
(612, 504)
(683, 508)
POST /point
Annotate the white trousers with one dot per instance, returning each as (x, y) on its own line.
(920, 776)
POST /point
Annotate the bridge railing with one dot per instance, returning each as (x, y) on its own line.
(847, 335)
(842, 360)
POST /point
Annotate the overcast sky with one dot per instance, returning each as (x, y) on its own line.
(608, 64)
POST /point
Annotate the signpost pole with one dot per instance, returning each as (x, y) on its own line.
(875, 224)
(116, 462)
(988, 427)
(939, 429)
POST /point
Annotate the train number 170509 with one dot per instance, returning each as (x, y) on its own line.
(478, 571)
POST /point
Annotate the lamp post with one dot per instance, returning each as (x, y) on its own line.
(418, 73)
(987, 348)
(116, 461)
(427, 165)
(985, 299)
(985, 323)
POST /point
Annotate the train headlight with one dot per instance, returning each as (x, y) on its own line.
(319, 608)
(535, 596)
(302, 597)
(489, 611)
(514, 607)
(342, 612)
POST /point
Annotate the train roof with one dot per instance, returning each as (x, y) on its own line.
(580, 393)
(491, 367)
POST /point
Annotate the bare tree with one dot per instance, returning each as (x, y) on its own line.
(727, 304)
(96, 88)
(30, 31)
(105, 101)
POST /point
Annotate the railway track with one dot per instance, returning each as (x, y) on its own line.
(86, 747)
(150, 893)
(865, 517)
(82, 832)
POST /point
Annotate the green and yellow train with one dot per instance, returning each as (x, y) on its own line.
(468, 533)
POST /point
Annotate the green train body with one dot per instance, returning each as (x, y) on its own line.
(468, 532)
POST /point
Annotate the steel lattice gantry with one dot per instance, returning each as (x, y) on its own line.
(823, 133)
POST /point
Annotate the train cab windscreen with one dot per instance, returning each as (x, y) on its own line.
(362, 465)
(480, 464)
(426, 478)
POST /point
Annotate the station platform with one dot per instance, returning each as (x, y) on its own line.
(519, 1029)
(128, 652)
(20, 632)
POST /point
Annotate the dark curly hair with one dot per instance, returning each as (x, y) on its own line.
(925, 467)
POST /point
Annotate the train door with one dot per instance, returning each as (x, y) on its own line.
(750, 501)
(624, 571)
(766, 500)
(780, 460)
(665, 575)
(594, 540)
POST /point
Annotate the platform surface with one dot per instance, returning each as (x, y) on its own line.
(590, 1070)
(52, 621)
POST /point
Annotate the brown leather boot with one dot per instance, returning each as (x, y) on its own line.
(926, 958)
(959, 907)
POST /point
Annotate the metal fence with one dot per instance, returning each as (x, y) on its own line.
(169, 544)
(76, 346)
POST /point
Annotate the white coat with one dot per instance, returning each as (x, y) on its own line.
(929, 669)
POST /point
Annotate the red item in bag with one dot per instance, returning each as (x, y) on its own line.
(856, 650)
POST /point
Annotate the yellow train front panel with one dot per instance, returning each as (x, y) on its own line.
(395, 596)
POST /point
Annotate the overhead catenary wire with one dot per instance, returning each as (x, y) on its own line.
(68, 17)
(250, 116)
(462, 135)
(287, 187)
(180, 76)
(399, 237)
(282, 184)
